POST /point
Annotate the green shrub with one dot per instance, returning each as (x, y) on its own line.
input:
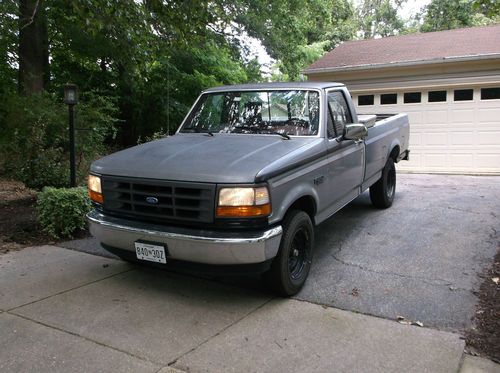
(62, 211)
(35, 139)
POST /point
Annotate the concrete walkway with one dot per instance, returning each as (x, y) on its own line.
(62, 310)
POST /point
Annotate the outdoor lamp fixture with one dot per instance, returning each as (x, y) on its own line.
(71, 99)
(70, 94)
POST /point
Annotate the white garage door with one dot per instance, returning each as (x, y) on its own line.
(452, 130)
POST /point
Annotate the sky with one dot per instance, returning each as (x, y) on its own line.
(412, 6)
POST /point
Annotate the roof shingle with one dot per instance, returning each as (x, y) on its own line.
(465, 42)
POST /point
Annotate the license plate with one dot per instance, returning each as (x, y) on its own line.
(150, 252)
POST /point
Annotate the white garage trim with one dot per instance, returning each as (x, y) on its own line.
(403, 63)
(431, 84)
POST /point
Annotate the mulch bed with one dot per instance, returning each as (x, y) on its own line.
(485, 336)
(19, 227)
(18, 224)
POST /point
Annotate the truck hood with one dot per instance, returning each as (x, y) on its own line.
(222, 158)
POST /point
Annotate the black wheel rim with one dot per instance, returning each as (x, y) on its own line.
(391, 183)
(298, 254)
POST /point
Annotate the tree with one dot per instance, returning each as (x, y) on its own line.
(8, 46)
(490, 8)
(295, 32)
(379, 18)
(33, 46)
(446, 15)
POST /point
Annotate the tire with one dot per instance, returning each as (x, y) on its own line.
(291, 266)
(383, 191)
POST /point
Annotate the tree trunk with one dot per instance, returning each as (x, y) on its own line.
(33, 47)
(127, 132)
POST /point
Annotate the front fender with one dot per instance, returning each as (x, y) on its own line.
(283, 197)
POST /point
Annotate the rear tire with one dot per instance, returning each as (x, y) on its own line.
(291, 266)
(383, 191)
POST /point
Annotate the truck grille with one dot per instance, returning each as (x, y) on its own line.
(151, 199)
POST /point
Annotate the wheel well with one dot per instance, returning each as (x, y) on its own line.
(394, 153)
(306, 204)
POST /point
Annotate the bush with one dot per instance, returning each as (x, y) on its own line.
(35, 139)
(62, 211)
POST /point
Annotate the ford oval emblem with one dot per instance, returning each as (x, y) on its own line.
(152, 200)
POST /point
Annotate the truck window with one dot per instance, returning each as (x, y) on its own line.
(339, 114)
(293, 112)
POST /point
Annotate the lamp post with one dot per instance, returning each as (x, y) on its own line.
(71, 99)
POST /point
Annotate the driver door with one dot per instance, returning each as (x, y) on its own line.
(345, 157)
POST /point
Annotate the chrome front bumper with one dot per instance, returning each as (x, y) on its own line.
(191, 245)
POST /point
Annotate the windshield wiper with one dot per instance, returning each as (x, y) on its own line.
(197, 130)
(190, 129)
(284, 135)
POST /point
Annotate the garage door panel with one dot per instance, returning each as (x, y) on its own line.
(416, 138)
(437, 117)
(451, 136)
(435, 161)
(463, 115)
(461, 160)
(491, 115)
(462, 138)
(415, 117)
(488, 137)
(488, 161)
(436, 138)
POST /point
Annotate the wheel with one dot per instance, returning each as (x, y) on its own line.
(382, 192)
(291, 266)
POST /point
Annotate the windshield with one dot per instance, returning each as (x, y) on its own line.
(293, 112)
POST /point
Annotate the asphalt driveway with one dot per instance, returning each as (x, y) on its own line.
(419, 259)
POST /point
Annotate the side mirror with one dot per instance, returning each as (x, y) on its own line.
(355, 132)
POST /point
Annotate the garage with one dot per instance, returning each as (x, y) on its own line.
(449, 84)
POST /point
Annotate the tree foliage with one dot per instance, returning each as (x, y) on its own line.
(446, 15)
(153, 57)
(379, 18)
(490, 8)
(296, 32)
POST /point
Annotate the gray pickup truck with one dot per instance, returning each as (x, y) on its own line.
(244, 180)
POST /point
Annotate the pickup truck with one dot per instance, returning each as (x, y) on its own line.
(248, 174)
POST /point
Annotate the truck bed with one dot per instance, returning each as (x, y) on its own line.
(388, 130)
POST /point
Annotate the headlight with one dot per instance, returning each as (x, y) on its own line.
(95, 191)
(243, 202)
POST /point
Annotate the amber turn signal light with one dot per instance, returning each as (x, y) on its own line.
(96, 197)
(243, 211)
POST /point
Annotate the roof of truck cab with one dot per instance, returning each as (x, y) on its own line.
(265, 86)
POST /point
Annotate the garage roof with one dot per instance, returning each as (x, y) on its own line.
(420, 48)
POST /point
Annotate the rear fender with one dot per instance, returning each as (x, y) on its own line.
(395, 143)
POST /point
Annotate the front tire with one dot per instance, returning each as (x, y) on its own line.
(383, 191)
(291, 266)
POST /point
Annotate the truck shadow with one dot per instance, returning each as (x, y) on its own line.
(328, 240)
(329, 236)
(350, 219)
